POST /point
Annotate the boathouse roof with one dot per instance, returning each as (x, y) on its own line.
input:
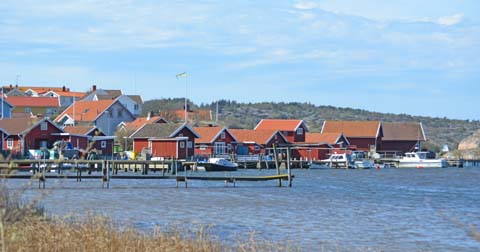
(403, 131)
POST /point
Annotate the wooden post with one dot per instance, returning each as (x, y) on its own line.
(276, 164)
(288, 168)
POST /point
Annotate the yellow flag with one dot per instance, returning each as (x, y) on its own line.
(184, 74)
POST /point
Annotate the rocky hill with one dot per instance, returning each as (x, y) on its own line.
(470, 142)
(233, 114)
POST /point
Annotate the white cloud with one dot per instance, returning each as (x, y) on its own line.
(450, 20)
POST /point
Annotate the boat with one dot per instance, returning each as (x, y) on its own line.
(338, 161)
(419, 160)
(363, 164)
(217, 164)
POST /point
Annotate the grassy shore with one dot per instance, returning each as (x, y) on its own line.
(25, 227)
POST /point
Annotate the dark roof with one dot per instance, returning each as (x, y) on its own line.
(113, 92)
(157, 130)
(18, 126)
(136, 98)
(403, 132)
(106, 97)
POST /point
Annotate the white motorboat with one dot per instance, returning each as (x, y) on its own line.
(363, 164)
(419, 160)
(217, 164)
(339, 161)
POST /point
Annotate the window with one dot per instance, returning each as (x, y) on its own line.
(300, 131)
(10, 143)
(28, 109)
(182, 145)
(219, 148)
(229, 146)
(257, 148)
(103, 144)
(120, 113)
(135, 106)
(180, 135)
(189, 144)
(44, 126)
(222, 136)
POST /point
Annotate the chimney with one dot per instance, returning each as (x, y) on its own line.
(63, 89)
(94, 88)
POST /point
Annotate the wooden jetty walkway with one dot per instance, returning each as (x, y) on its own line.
(106, 170)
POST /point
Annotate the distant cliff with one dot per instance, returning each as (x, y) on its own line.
(233, 114)
(470, 142)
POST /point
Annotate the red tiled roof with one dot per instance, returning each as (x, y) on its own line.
(207, 134)
(257, 136)
(329, 138)
(26, 101)
(40, 89)
(86, 111)
(204, 115)
(279, 124)
(79, 130)
(368, 129)
(141, 121)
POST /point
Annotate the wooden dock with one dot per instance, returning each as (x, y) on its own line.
(106, 170)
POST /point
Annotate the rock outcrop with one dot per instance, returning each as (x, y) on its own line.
(470, 142)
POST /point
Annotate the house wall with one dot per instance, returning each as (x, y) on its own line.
(139, 144)
(402, 146)
(33, 138)
(130, 105)
(17, 144)
(362, 143)
(107, 150)
(7, 110)
(210, 147)
(47, 111)
(191, 138)
(108, 122)
(168, 149)
(312, 153)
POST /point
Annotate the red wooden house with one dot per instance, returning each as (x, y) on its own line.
(214, 141)
(257, 141)
(165, 140)
(362, 135)
(402, 137)
(21, 134)
(294, 130)
(318, 146)
(86, 138)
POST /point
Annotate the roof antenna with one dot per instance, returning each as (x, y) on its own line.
(216, 115)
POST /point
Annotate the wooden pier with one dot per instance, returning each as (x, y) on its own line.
(106, 170)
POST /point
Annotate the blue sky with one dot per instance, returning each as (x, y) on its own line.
(404, 56)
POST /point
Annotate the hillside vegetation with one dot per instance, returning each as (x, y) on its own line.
(233, 114)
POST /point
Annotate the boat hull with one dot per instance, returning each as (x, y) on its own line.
(209, 167)
(422, 164)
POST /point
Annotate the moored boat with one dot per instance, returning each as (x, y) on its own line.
(419, 160)
(217, 164)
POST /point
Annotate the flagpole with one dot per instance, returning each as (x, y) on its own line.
(186, 110)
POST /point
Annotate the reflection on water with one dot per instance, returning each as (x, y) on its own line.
(389, 209)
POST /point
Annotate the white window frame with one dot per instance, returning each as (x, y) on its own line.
(44, 126)
(189, 144)
(300, 131)
(182, 144)
(229, 146)
(10, 143)
(223, 135)
(256, 148)
(219, 148)
(28, 110)
(103, 144)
